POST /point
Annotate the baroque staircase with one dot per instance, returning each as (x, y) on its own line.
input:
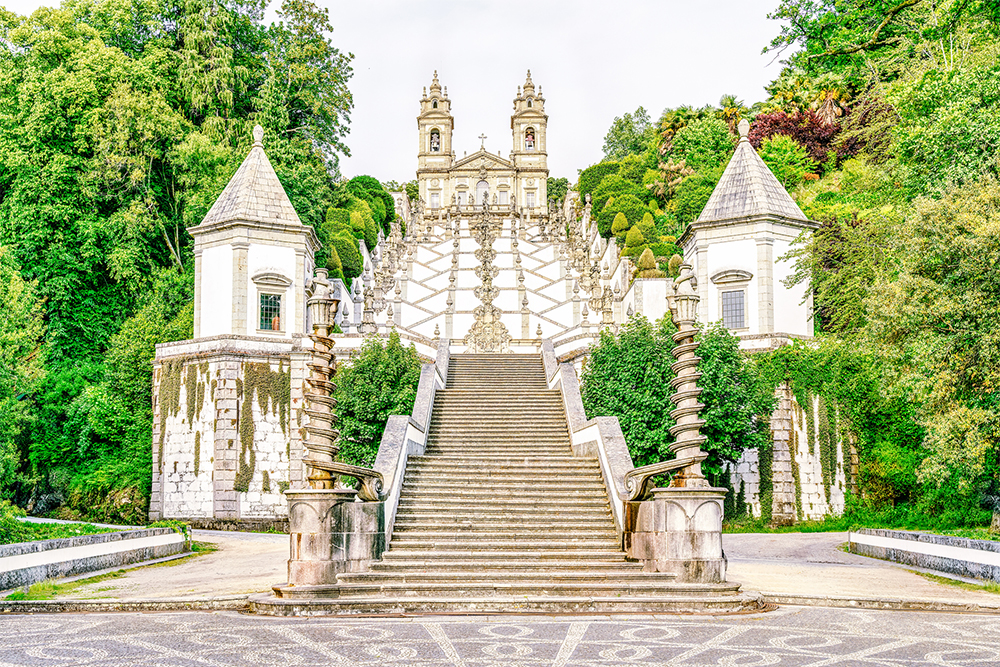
(500, 516)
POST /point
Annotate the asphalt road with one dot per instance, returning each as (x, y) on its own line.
(800, 637)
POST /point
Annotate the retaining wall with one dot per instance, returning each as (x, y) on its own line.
(978, 559)
(26, 563)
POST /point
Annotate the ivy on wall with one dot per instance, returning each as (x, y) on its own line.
(272, 390)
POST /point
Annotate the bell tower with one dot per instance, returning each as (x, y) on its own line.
(528, 131)
(435, 155)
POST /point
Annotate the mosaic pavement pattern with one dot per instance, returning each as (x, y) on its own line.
(800, 637)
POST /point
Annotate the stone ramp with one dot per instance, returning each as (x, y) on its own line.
(499, 516)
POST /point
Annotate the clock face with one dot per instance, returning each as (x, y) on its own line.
(435, 182)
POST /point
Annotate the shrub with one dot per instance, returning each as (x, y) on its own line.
(591, 177)
(787, 160)
(634, 238)
(379, 382)
(693, 193)
(647, 228)
(351, 262)
(704, 144)
(630, 206)
(647, 266)
(614, 186)
(620, 226)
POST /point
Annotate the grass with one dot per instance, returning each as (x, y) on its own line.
(49, 589)
(848, 522)
(988, 587)
(13, 530)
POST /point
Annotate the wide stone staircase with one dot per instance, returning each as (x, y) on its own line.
(499, 516)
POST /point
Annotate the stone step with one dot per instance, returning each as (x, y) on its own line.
(477, 478)
(554, 529)
(519, 567)
(527, 463)
(540, 497)
(581, 554)
(471, 542)
(460, 463)
(678, 601)
(630, 589)
(503, 486)
(506, 517)
(581, 576)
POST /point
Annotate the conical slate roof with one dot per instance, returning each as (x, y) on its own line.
(254, 193)
(748, 188)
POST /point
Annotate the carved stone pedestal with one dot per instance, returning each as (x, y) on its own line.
(679, 530)
(329, 534)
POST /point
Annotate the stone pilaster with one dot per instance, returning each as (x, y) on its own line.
(156, 490)
(197, 291)
(225, 499)
(241, 282)
(298, 419)
(765, 285)
(703, 283)
(300, 296)
(782, 480)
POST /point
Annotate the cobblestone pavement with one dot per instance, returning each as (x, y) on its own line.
(800, 637)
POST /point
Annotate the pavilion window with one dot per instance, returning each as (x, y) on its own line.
(270, 312)
(733, 309)
(435, 200)
(530, 199)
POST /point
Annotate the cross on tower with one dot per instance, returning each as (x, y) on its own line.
(482, 141)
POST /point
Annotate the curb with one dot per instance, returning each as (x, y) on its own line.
(241, 603)
(232, 603)
(891, 604)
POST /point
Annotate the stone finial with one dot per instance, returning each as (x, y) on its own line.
(258, 136)
(538, 332)
(744, 129)
(437, 331)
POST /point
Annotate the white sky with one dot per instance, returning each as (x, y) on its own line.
(594, 60)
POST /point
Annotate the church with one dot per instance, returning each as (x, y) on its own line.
(483, 264)
(517, 180)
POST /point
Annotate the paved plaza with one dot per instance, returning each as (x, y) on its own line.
(801, 637)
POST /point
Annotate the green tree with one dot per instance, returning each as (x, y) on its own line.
(380, 381)
(704, 144)
(557, 188)
(628, 376)
(787, 159)
(631, 134)
(22, 357)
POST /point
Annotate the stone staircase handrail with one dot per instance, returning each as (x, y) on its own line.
(406, 435)
(601, 436)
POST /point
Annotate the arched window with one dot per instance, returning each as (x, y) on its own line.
(435, 141)
(529, 139)
(435, 104)
(529, 104)
(482, 192)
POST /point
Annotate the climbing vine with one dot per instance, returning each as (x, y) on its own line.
(197, 452)
(169, 398)
(272, 390)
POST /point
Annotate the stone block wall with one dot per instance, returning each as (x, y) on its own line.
(805, 473)
(222, 434)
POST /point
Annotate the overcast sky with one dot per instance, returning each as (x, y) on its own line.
(595, 59)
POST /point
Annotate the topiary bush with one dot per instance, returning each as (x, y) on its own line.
(351, 262)
(591, 177)
(630, 206)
